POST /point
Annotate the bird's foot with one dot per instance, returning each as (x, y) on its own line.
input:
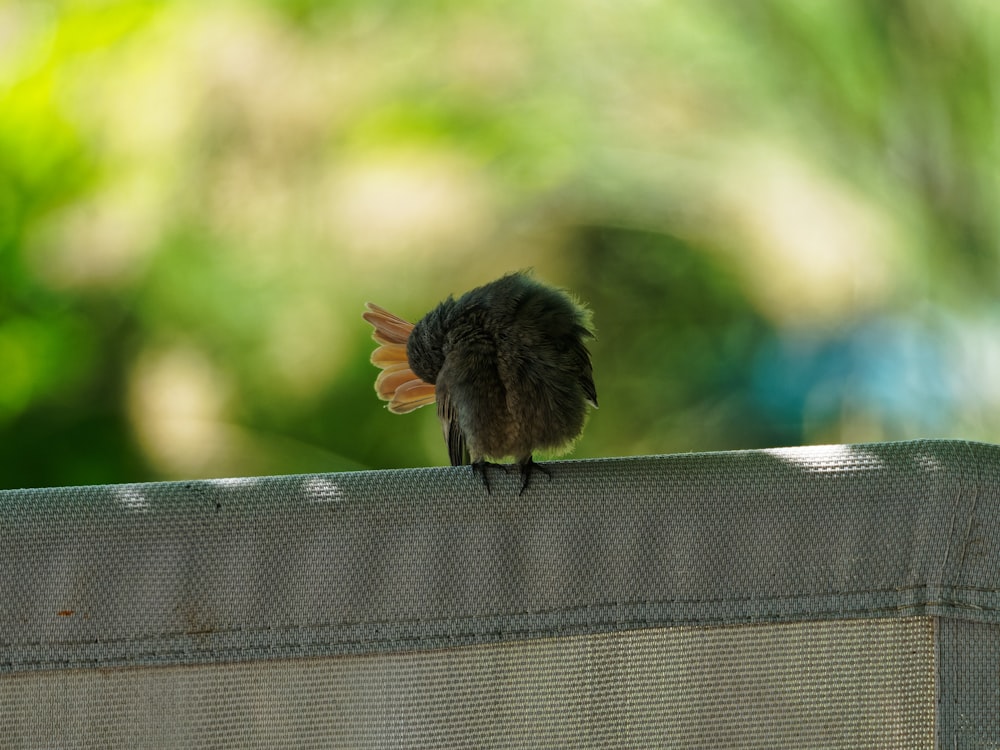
(482, 469)
(527, 467)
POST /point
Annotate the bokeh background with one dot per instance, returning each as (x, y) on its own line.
(784, 216)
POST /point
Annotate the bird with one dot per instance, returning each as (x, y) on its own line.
(506, 363)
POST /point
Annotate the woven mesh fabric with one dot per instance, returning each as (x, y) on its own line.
(968, 684)
(839, 684)
(164, 595)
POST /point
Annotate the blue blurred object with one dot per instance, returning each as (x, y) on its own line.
(892, 369)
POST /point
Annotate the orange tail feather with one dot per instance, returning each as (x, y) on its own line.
(397, 383)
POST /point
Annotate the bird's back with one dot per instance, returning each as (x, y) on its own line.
(531, 377)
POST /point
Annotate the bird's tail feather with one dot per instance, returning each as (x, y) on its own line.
(397, 383)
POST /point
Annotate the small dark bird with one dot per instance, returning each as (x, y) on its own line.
(506, 364)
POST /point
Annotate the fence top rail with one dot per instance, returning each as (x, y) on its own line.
(370, 561)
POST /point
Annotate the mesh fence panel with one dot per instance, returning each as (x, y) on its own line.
(839, 684)
(841, 596)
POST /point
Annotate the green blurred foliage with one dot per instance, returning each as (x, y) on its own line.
(782, 214)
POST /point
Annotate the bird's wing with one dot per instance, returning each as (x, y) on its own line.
(589, 389)
(397, 383)
(458, 451)
(582, 355)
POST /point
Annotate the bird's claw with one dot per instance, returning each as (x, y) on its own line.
(482, 469)
(526, 468)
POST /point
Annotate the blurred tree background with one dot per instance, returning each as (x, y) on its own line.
(783, 214)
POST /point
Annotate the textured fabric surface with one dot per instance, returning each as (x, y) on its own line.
(224, 580)
(839, 684)
(969, 684)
